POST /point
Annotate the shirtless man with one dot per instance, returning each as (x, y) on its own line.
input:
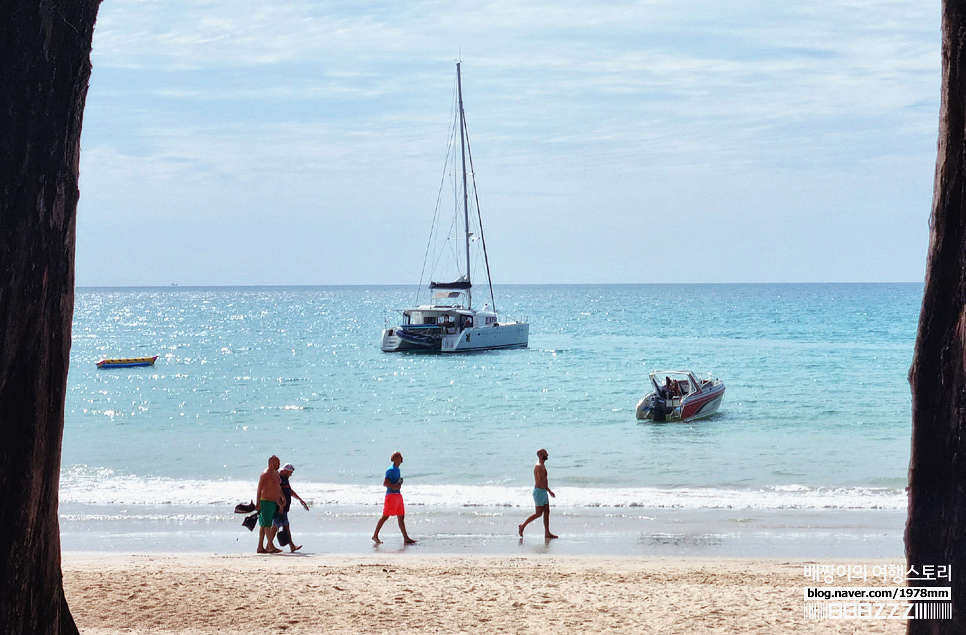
(540, 491)
(269, 499)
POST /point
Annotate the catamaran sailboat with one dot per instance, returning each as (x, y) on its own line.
(449, 323)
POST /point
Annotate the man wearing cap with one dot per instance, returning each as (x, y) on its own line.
(281, 521)
(268, 500)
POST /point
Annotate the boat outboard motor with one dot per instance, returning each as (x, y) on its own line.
(659, 408)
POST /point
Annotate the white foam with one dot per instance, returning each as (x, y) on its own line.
(102, 487)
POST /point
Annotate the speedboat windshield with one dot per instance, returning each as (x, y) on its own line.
(661, 378)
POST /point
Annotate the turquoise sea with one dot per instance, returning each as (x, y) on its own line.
(810, 448)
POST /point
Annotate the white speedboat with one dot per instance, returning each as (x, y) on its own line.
(448, 323)
(677, 395)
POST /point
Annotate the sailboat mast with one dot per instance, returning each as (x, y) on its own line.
(466, 202)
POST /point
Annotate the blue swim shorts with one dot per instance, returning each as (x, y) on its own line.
(280, 520)
(540, 497)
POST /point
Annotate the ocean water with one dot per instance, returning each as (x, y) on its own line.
(815, 422)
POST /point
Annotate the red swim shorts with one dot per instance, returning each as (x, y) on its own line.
(393, 505)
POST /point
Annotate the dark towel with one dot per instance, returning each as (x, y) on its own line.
(283, 537)
(245, 508)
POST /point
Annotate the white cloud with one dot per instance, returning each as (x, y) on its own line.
(574, 107)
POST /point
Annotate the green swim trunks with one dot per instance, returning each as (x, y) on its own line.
(266, 512)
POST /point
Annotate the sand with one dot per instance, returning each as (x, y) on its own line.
(412, 593)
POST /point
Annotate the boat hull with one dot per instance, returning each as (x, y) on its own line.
(127, 362)
(488, 338)
(395, 342)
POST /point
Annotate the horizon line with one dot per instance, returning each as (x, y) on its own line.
(515, 284)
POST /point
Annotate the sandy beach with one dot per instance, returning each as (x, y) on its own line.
(113, 593)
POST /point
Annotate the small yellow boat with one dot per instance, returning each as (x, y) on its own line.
(127, 362)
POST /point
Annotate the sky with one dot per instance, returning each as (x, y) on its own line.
(302, 142)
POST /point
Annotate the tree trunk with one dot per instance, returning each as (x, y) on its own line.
(45, 48)
(936, 527)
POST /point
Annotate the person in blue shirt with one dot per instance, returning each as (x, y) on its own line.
(393, 505)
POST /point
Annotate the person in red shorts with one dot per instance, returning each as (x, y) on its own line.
(393, 505)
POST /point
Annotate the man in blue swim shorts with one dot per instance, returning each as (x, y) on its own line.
(541, 496)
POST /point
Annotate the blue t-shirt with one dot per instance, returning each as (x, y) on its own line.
(393, 475)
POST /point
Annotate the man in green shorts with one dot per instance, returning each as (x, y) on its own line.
(269, 499)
